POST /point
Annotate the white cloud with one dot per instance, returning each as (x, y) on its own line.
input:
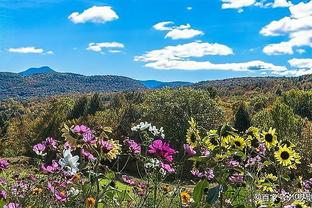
(240, 4)
(98, 47)
(29, 49)
(281, 3)
(179, 57)
(95, 14)
(163, 26)
(299, 67)
(297, 27)
(189, 8)
(177, 32)
(237, 4)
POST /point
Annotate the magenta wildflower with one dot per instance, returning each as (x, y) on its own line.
(3, 194)
(46, 168)
(161, 149)
(39, 149)
(189, 150)
(12, 205)
(209, 174)
(126, 179)
(4, 164)
(68, 146)
(106, 146)
(195, 172)
(50, 143)
(81, 129)
(134, 147)
(87, 154)
(89, 138)
(236, 178)
(167, 167)
(60, 196)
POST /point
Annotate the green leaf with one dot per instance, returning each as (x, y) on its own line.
(198, 191)
(213, 194)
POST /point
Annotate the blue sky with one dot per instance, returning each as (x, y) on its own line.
(189, 40)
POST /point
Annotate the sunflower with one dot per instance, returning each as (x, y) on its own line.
(185, 197)
(211, 142)
(299, 204)
(266, 183)
(253, 137)
(270, 138)
(115, 151)
(285, 156)
(192, 135)
(238, 142)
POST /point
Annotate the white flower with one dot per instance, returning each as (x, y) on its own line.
(73, 192)
(157, 132)
(153, 163)
(69, 163)
(142, 126)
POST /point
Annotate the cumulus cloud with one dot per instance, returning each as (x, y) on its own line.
(299, 67)
(179, 57)
(177, 32)
(240, 4)
(95, 14)
(111, 46)
(29, 49)
(297, 27)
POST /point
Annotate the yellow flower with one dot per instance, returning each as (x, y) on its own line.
(267, 183)
(285, 156)
(253, 137)
(238, 142)
(211, 142)
(270, 138)
(185, 197)
(299, 204)
(90, 202)
(192, 135)
(115, 151)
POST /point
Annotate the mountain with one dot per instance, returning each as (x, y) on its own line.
(39, 70)
(154, 84)
(13, 85)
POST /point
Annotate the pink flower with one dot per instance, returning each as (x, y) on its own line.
(67, 146)
(161, 149)
(127, 180)
(134, 147)
(89, 138)
(236, 178)
(60, 196)
(45, 168)
(189, 150)
(4, 164)
(106, 146)
(87, 154)
(51, 143)
(12, 205)
(167, 167)
(233, 163)
(204, 152)
(81, 129)
(39, 149)
(3, 194)
(209, 174)
(197, 173)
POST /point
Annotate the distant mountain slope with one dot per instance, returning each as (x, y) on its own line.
(154, 84)
(39, 70)
(45, 84)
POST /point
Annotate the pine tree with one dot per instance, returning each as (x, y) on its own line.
(242, 118)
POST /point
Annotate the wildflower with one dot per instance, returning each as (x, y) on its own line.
(233, 163)
(106, 146)
(270, 138)
(3, 195)
(110, 148)
(60, 196)
(204, 152)
(46, 168)
(126, 179)
(167, 168)
(157, 132)
(141, 127)
(37, 190)
(261, 149)
(76, 178)
(185, 197)
(87, 154)
(73, 192)
(209, 174)
(12, 205)
(90, 202)
(238, 142)
(152, 164)
(4, 164)
(192, 135)
(68, 146)
(50, 143)
(285, 156)
(266, 183)
(39, 149)
(236, 178)
(161, 149)
(89, 138)
(189, 150)
(134, 147)
(195, 172)
(81, 129)
(252, 161)
(69, 163)
(211, 142)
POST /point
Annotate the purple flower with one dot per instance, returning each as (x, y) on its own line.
(134, 147)
(161, 149)
(252, 161)
(167, 167)
(3, 194)
(81, 129)
(87, 154)
(127, 180)
(209, 174)
(261, 149)
(233, 163)
(106, 146)
(12, 205)
(60, 196)
(195, 172)
(89, 138)
(204, 152)
(4, 164)
(46, 168)
(236, 178)
(51, 143)
(189, 150)
(68, 146)
(39, 149)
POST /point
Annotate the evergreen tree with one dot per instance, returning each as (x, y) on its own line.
(242, 118)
